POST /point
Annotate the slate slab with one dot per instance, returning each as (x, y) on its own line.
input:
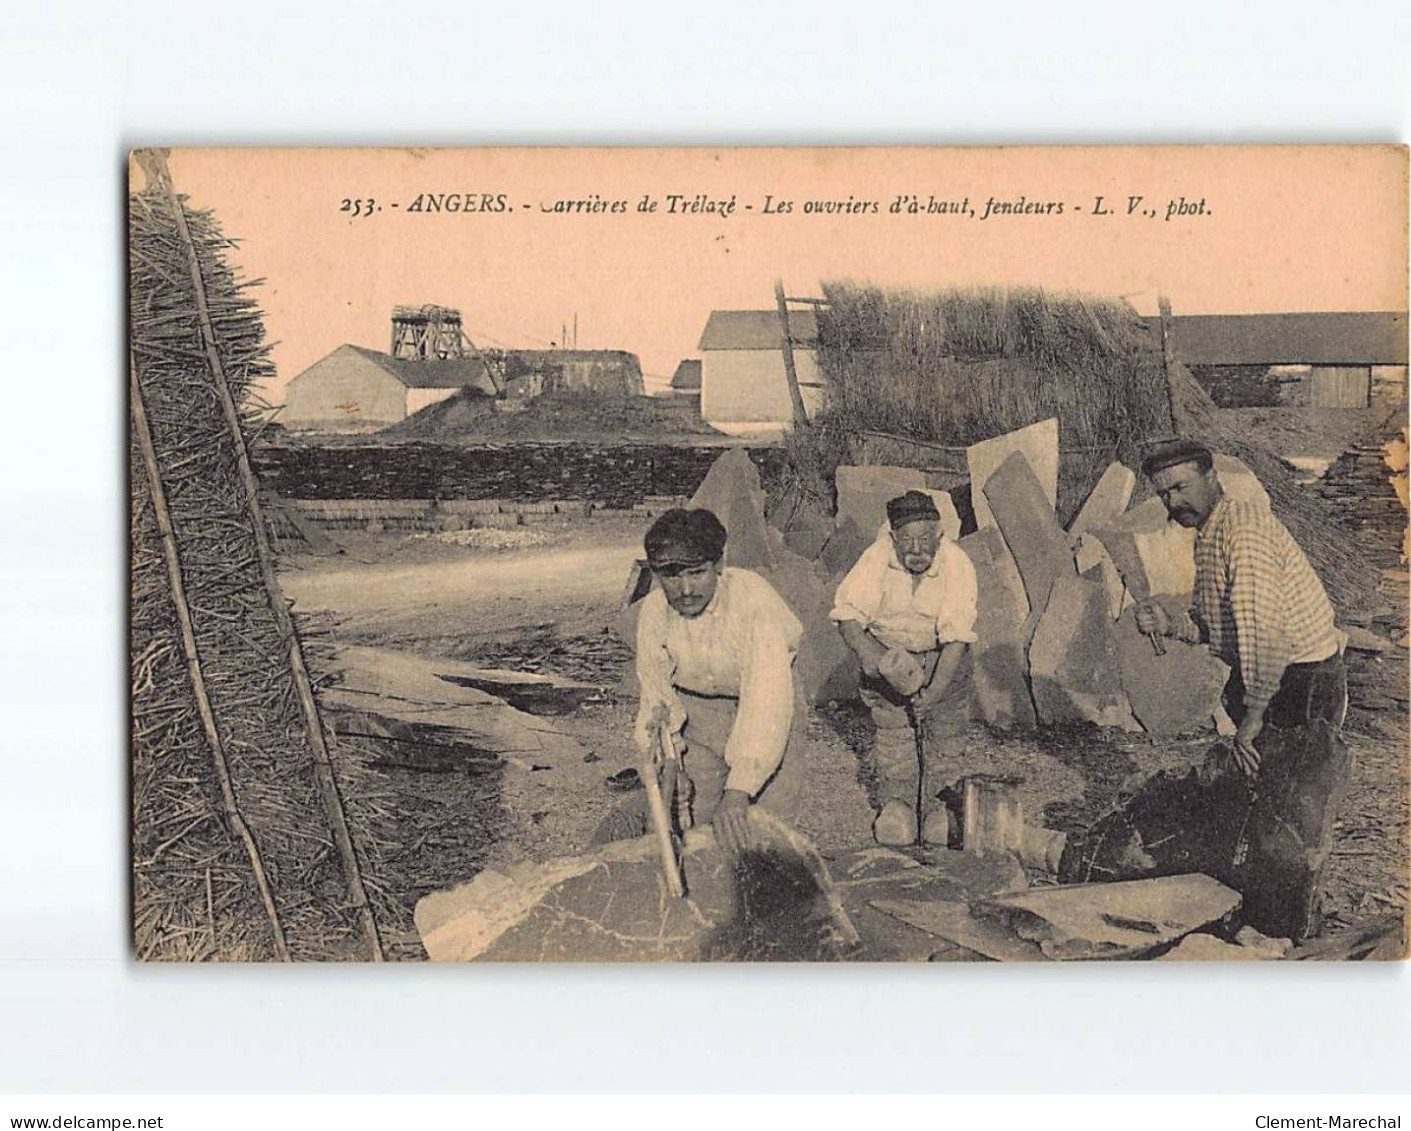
(1127, 919)
(1107, 500)
(1153, 554)
(1000, 695)
(1239, 482)
(954, 923)
(612, 905)
(1039, 445)
(731, 491)
(1022, 510)
(1171, 694)
(1074, 666)
(418, 690)
(874, 874)
(863, 491)
(1095, 563)
(842, 550)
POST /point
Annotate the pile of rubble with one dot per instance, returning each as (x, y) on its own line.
(1058, 641)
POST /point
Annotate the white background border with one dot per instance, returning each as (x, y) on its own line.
(83, 81)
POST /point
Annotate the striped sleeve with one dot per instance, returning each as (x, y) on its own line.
(1257, 605)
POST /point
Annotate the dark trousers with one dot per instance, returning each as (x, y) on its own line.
(1306, 692)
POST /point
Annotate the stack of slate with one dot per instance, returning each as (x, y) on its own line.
(1058, 641)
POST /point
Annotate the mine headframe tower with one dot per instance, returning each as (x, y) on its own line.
(427, 333)
(434, 333)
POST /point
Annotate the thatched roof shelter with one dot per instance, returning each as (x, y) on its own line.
(915, 377)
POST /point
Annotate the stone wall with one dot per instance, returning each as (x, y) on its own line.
(618, 476)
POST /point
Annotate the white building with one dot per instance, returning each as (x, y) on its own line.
(743, 387)
(355, 389)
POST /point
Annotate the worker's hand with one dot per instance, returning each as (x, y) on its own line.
(901, 669)
(1245, 753)
(644, 734)
(930, 695)
(1152, 619)
(732, 822)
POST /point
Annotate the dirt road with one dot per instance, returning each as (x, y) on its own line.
(485, 593)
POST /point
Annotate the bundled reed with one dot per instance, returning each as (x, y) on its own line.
(237, 852)
(949, 368)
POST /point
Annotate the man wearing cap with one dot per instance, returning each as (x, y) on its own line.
(907, 610)
(715, 655)
(1257, 604)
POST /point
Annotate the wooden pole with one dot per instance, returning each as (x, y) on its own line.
(494, 380)
(327, 785)
(193, 661)
(786, 341)
(1168, 363)
(661, 821)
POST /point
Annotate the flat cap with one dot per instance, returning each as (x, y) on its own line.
(1173, 452)
(912, 507)
(684, 538)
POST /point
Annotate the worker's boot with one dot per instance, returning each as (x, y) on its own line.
(935, 829)
(895, 825)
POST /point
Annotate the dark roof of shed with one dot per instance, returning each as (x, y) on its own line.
(687, 375)
(450, 374)
(754, 329)
(1360, 338)
(624, 357)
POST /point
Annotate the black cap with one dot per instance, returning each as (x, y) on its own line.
(1173, 452)
(684, 538)
(912, 507)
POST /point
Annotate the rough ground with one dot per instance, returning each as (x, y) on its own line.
(548, 601)
(1307, 431)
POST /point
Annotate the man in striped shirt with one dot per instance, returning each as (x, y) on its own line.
(1257, 603)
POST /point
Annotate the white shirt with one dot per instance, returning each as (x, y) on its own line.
(741, 645)
(902, 611)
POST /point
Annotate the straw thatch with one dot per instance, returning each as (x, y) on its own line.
(915, 377)
(234, 855)
(198, 891)
(954, 367)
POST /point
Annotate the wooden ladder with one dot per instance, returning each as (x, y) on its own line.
(787, 342)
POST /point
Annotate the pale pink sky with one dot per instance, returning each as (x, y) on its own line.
(1288, 228)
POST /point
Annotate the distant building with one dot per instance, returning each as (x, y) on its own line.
(686, 381)
(743, 386)
(355, 389)
(1319, 360)
(527, 373)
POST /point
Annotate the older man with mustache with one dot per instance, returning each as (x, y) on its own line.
(907, 610)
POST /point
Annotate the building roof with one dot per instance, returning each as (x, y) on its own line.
(430, 374)
(556, 355)
(754, 329)
(687, 378)
(1362, 338)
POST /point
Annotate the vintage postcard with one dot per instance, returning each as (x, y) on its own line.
(768, 554)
